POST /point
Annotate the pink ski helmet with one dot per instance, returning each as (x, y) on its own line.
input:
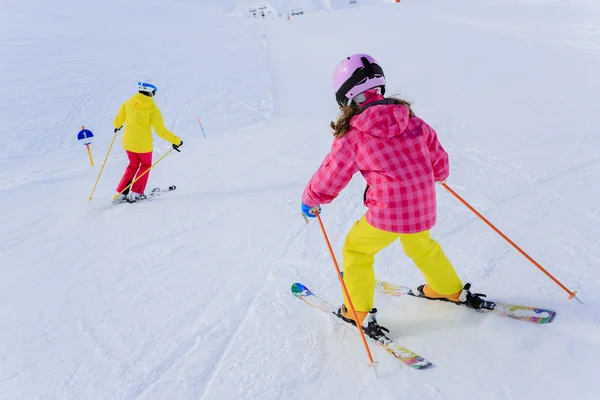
(354, 75)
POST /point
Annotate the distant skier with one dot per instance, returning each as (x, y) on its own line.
(140, 115)
(401, 159)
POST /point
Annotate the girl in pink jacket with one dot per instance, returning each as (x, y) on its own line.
(401, 159)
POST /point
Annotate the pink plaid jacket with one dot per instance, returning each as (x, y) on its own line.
(399, 157)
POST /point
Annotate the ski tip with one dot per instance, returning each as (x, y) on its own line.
(548, 319)
(299, 290)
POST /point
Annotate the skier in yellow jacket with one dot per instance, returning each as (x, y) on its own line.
(140, 115)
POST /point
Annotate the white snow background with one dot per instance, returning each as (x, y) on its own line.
(187, 296)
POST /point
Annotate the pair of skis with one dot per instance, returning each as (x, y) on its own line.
(401, 353)
(151, 194)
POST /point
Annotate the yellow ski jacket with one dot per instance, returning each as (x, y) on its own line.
(141, 115)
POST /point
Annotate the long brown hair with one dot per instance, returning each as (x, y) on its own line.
(342, 126)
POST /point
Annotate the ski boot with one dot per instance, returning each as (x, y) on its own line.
(464, 297)
(368, 322)
(121, 198)
(132, 196)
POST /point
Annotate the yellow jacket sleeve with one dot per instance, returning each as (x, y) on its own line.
(161, 130)
(120, 118)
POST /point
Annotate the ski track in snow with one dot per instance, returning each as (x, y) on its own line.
(217, 366)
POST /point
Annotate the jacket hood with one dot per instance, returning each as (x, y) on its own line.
(384, 121)
(141, 101)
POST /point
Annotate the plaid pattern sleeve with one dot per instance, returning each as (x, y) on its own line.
(333, 175)
(439, 157)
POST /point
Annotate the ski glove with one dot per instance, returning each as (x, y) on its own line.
(118, 129)
(310, 211)
(176, 146)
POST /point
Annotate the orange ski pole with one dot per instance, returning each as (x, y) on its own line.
(572, 295)
(339, 273)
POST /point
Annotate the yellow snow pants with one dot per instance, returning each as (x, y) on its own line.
(364, 241)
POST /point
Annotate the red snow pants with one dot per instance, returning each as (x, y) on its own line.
(138, 164)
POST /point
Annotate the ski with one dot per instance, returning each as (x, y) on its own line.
(399, 352)
(159, 192)
(523, 313)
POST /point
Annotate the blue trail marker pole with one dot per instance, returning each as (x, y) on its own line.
(86, 137)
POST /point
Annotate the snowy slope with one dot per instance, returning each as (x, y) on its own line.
(187, 296)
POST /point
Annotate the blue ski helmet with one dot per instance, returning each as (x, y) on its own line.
(147, 88)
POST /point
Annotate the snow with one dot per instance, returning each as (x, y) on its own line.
(187, 296)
